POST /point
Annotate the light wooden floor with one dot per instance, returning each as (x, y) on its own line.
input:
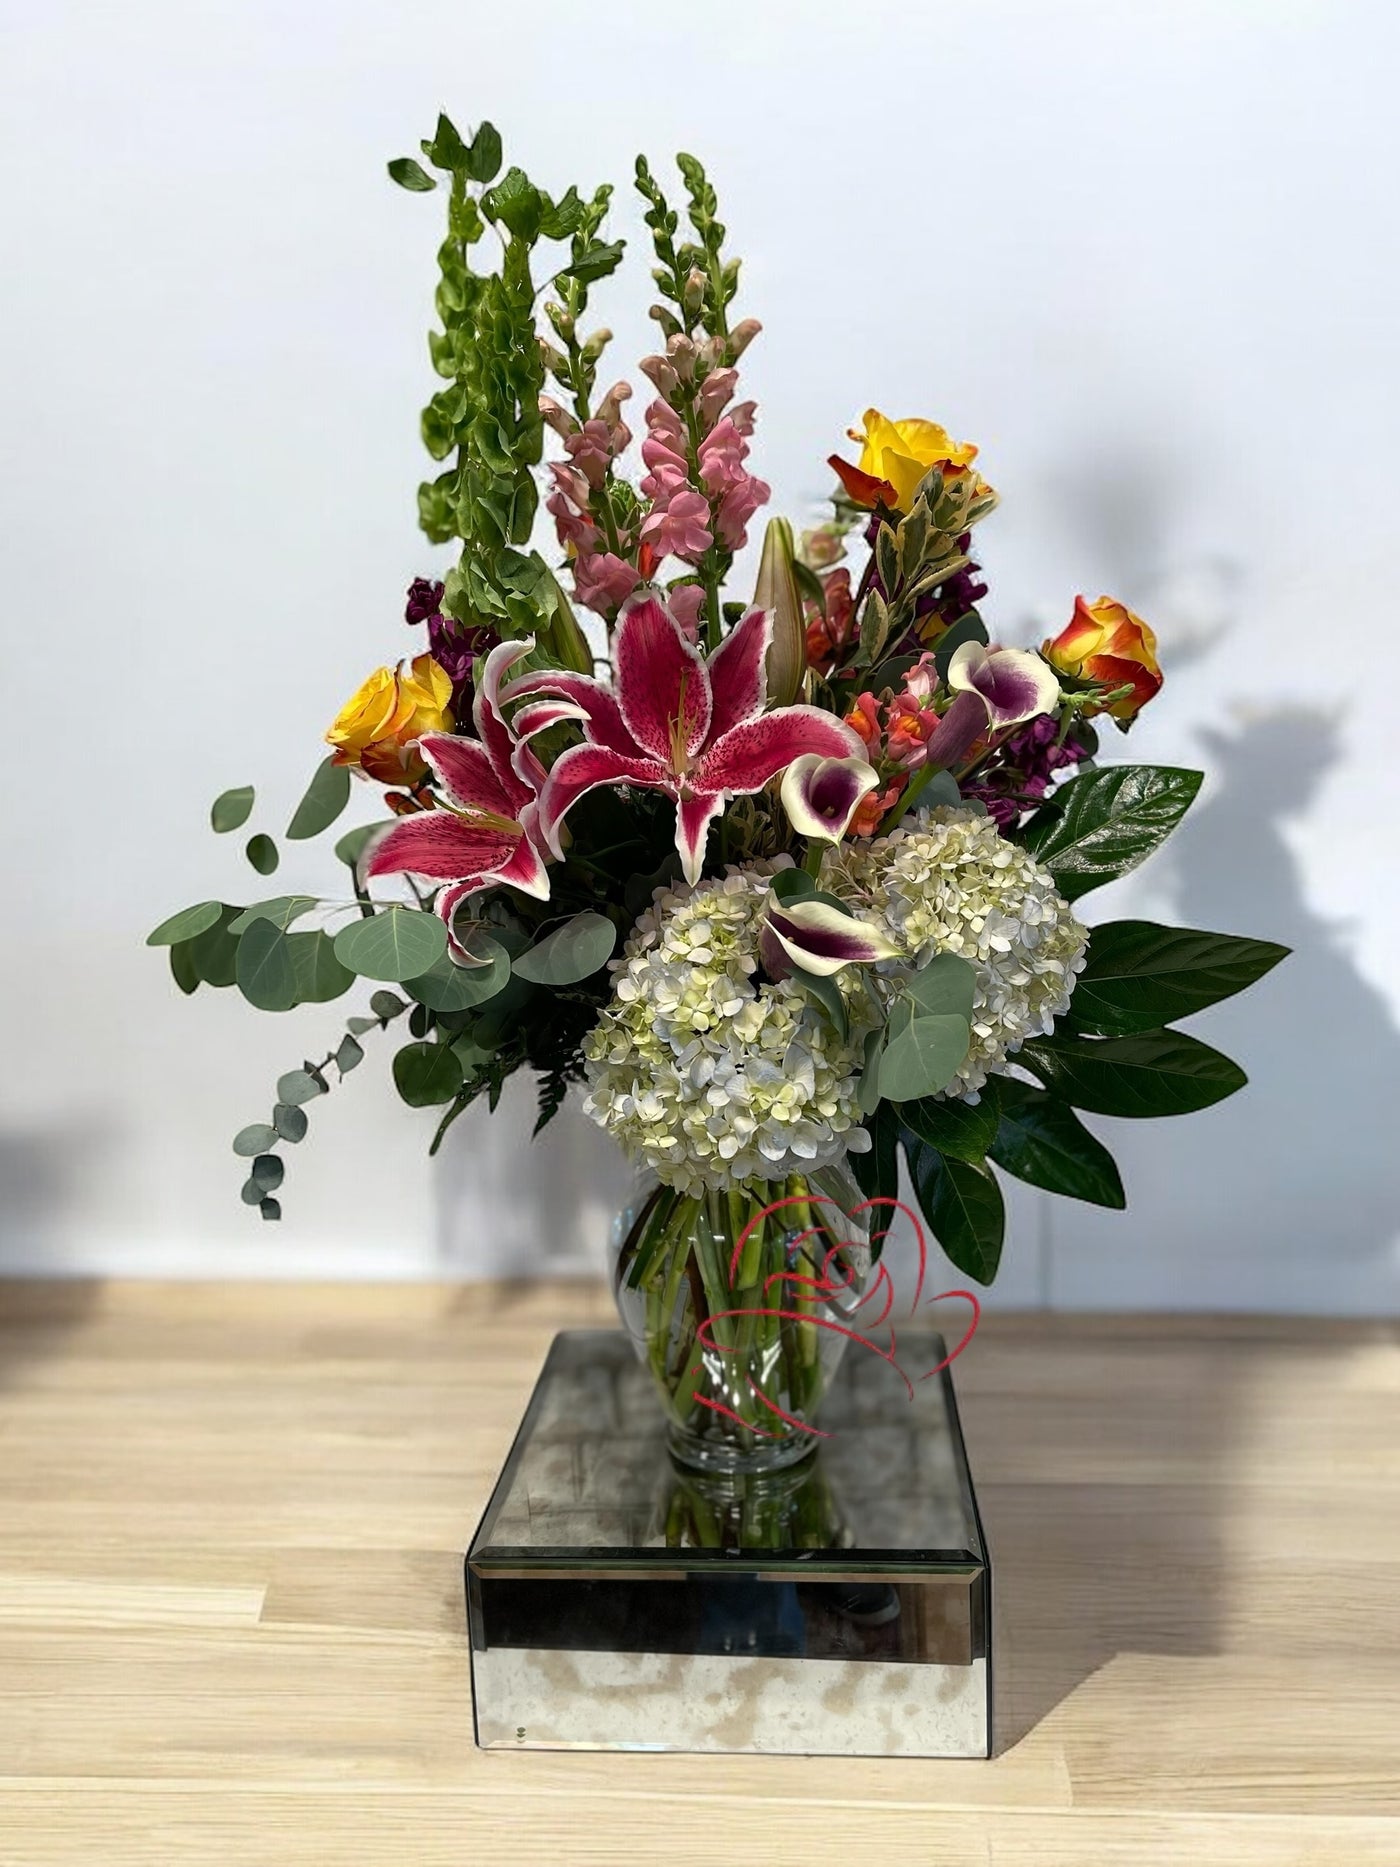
(231, 1631)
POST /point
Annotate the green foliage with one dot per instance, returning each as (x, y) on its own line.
(326, 796)
(266, 973)
(1139, 976)
(214, 954)
(281, 911)
(397, 943)
(572, 952)
(231, 809)
(1154, 1073)
(1042, 1141)
(290, 1122)
(320, 976)
(963, 1205)
(963, 1130)
(877, 1172)
(943, 988)
(255, 1139)
(409, 174)
(427, 1074)
(350, 847)
(449, 987)
(262, 853)
(188, 924)
(923, 1057)
(1105, 822)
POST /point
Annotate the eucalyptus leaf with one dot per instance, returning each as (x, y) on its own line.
(964, 1207)
(349, 1053)
(214, 955)
(281, 911)
(326, 796)
(182, 967)
(265, 973)
(257, 1138)
(231, 809)
(942, 788)
(320, 975)
(270, 1208)
(944, 987)
(1139, 976)
(262, 853)
(188, 924)
(427, 1074)
(268, 1171)
(449, 987)
(1042, 1141)
(828, 995)
(923, 1058)
(251, 1193)
(387, 1005)
(351, 846)
(397, 943)
(298, 1086)
(289, 1121)
(1154, 1073)
(1105, 822)
(572, 952)
(965, 1130)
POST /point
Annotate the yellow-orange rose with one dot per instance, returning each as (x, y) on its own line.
(896, 455)
(1106, 642)
(377, 726)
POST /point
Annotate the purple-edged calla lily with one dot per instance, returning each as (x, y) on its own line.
(675, 722)
(817, 937)
(821, 795)
(1014, 684)
(485, 833)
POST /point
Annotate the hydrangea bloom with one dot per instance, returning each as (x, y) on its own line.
(947, 882)
(708, 1074)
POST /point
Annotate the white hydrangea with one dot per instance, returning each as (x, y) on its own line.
(707, 1076)
(949, 882)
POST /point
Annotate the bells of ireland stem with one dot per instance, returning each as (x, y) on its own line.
(776, 590)
(564, 637)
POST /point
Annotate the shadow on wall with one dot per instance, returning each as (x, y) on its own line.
(510, 1206)
(1309, 1147)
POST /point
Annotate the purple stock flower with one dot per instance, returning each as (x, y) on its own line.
(453, 645)
(424, 600)
(1019, 773)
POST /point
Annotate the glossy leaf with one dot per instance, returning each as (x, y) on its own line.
(1139, 976)
(231, 809)
(326, 796)
(922, 1058)
(965, 1130)
(1155, 1073)
(188, 924)
(876, 1173)
(411, 175)
(1104, 823)
(397, 944)
(1042, 1141)
(427, 1074)
(265, 973)
(484, 154)
(572, 952)
(964, 1208)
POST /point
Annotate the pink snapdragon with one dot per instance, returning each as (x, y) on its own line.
(603, 581)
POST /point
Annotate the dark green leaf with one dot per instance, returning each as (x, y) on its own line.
(266, 976)
(255, 1139)
(1042, 1141)
(386, 1005)
(963, 1206)
(484, 156)
(516, 203)
(868, 1094)
(923, 1058)
(326, 796)
(350, 847)
(262, 853)
(877, 1173)
(1155, 1073)
(597, 261)
(1104, 823)
(447, 150)
(251, 1193)
(411, 175)
(792, 884)
(298, 1086)
(572, 952)
(182, 967)
(231, 809)
(214, 955)
(1140, 976)
(270, 1208)
(289, 1121)
(828, 995)
(281, 911)
(397, 943)
(319, 974)
(943, 988)
(964, 1130)
(968, 628)
(450, 987)
(188, 924)
(426, 1074)
(268, 1171)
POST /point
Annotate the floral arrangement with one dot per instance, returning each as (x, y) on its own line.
(780, 879)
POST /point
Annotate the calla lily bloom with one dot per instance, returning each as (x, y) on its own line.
(1014, 684)
(674, 722)
(818, 938)
(486, 832)
(821, 795)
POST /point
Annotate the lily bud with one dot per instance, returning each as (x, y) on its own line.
(776, 590)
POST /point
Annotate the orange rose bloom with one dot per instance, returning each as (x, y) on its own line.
(1106, 642)
(378, 727)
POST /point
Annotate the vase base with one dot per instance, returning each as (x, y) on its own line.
(619, 1599)
(721, 1459)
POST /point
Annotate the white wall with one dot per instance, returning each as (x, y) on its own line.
(1146, 255)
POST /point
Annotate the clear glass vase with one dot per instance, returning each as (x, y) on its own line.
(737, 1302)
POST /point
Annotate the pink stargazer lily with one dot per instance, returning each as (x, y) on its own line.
(487, 832)
(674, 722)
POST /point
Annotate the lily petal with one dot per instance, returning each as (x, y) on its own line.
(582, 768)
(822, 939)
(1016, 684)
(694, 815)
(737, 671)
(467, 775)
(540, 715)
(661, 683)
(491, 727)
(821, 795)
(606, 726)
(441, 847)
(747, 756)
